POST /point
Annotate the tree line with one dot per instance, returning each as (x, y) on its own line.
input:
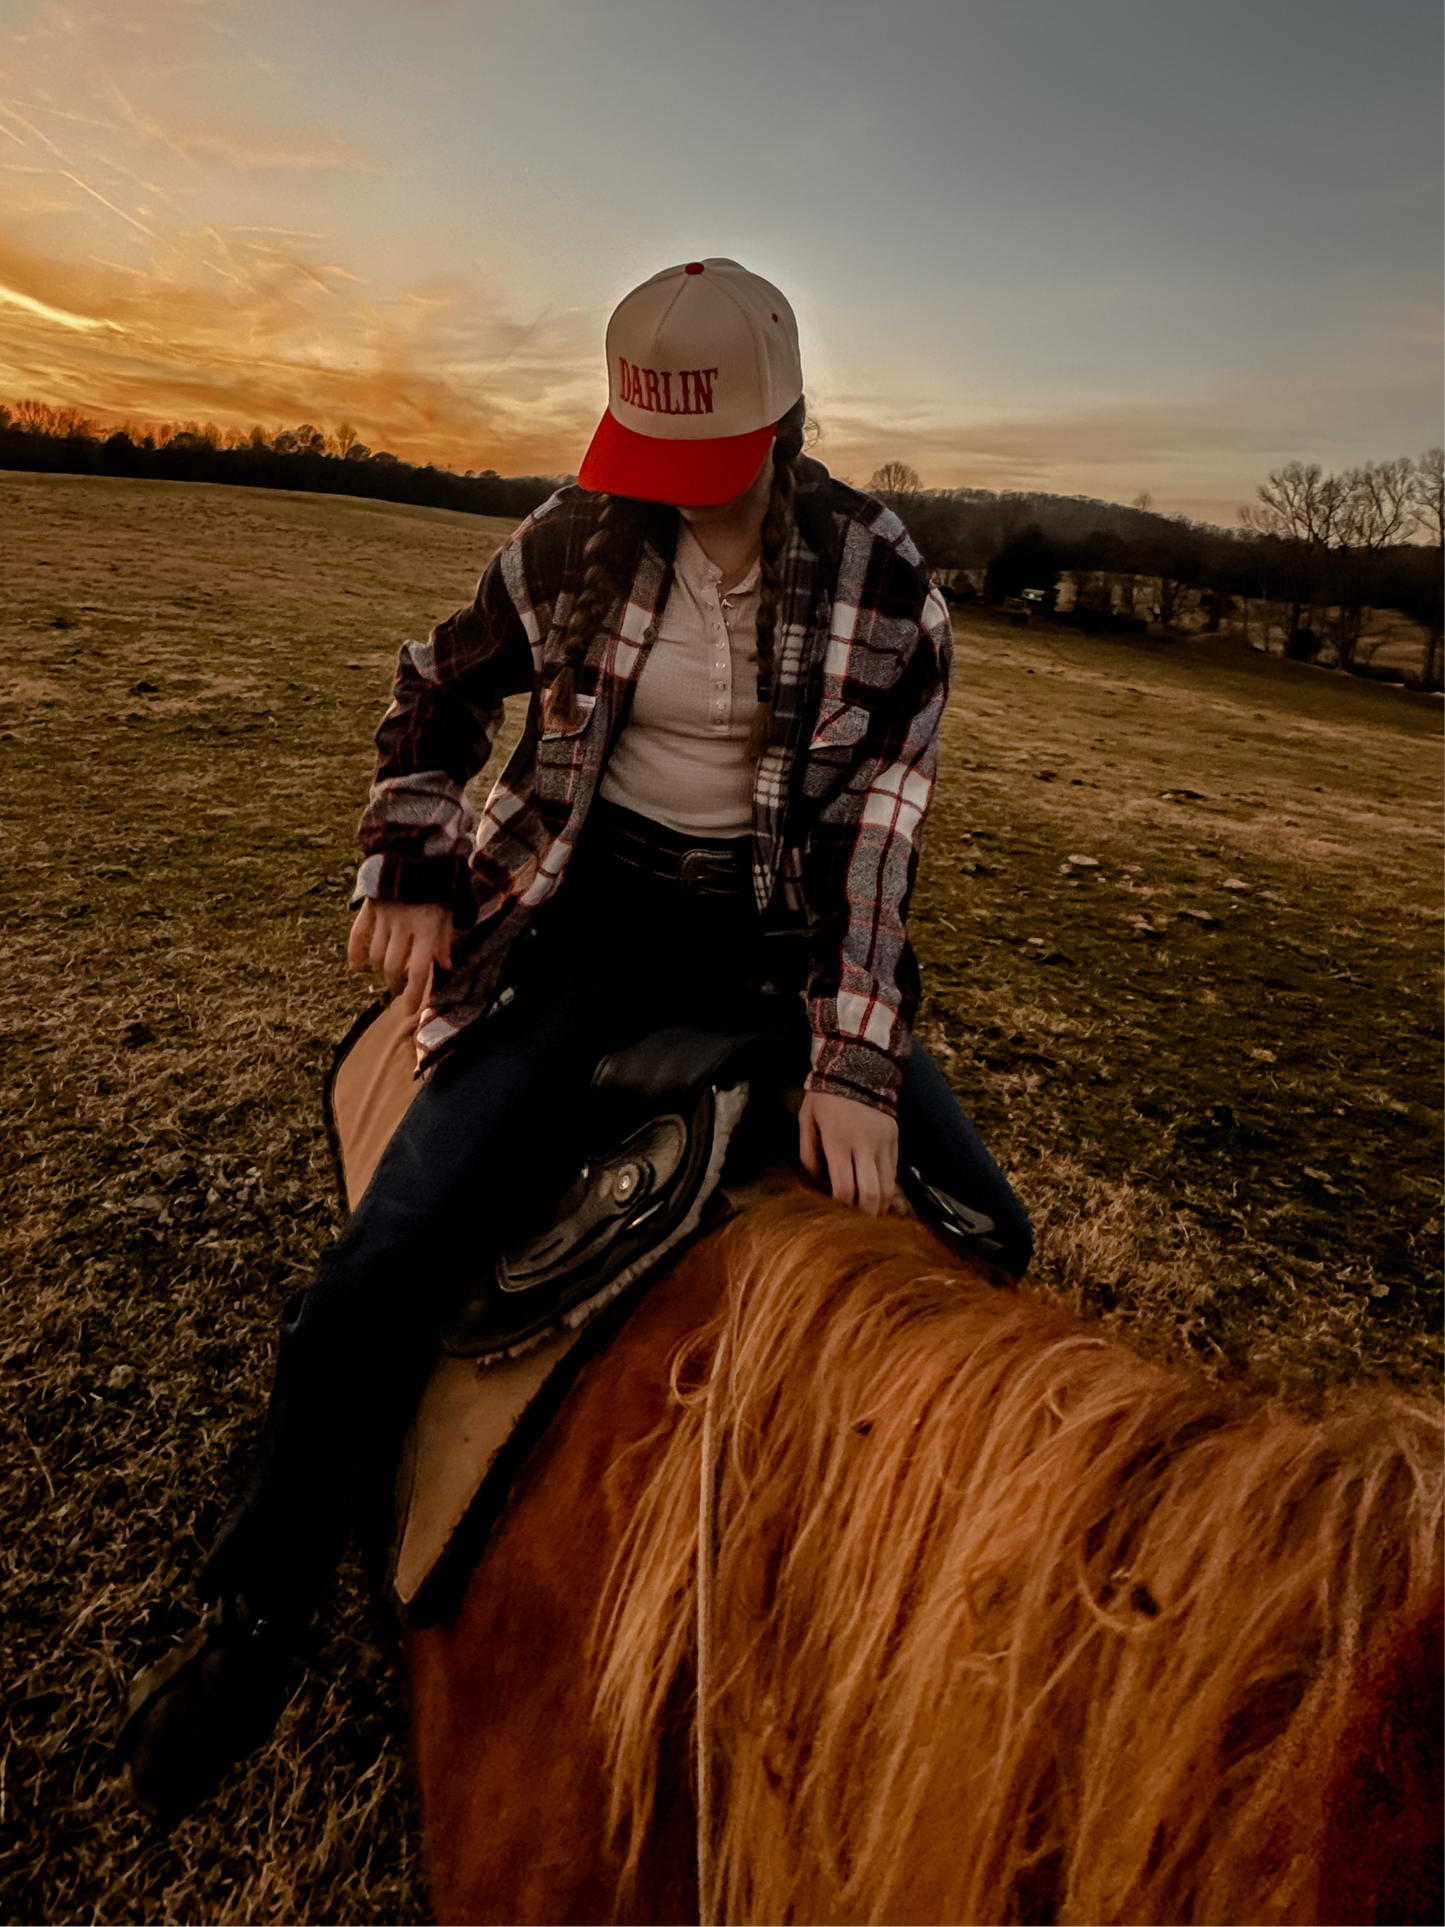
(1323, 547)
(35, 436)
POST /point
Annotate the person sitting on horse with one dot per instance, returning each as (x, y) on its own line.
(736, 668)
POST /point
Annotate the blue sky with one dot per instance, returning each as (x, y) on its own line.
(1093, 246)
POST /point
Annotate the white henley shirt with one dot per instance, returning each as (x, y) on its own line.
(682, 757)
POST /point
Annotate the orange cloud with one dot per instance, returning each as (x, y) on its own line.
(238, 331)
(119, 301)
(224, 138)
(11, 297)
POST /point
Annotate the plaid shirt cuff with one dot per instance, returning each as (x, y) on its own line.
(388, 878)
(843, 1067)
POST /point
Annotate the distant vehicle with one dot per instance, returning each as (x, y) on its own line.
(1017, 610)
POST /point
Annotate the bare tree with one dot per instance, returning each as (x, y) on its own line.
(194, 436)
(1429, 506)
(1298, 504)
(1341, 525)
(39, 418)
(1376, 506)
(1382, 500)
(1174, 588)
(344, 439)
(895, 478)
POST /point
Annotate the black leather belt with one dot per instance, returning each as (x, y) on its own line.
(695, 866)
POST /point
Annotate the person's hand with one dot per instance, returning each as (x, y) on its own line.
(858, 1144)
(401, 942)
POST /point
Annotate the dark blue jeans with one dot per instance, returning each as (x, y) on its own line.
(495, 1129)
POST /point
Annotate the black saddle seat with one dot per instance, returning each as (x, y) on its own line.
(662, 1113)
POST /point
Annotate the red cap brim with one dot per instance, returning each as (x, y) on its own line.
(692, 475)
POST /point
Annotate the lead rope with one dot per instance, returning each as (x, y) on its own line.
(706, 1624)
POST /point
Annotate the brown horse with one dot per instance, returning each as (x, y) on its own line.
(1012, 1624)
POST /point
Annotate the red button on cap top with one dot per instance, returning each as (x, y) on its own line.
(693, 267)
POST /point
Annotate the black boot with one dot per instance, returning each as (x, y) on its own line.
(344, 1390)
(216, 1696)
(213, 1699)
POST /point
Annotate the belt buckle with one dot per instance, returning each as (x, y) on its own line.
(698, 869)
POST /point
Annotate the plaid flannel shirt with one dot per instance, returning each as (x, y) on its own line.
(862, 658)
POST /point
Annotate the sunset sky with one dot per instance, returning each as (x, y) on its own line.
(1091, 246)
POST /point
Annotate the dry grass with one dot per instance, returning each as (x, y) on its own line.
(1210, 1058)
(181, 857)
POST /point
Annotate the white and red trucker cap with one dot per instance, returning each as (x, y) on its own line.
(702, 361)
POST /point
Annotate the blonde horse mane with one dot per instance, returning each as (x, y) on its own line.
(1011, 1622)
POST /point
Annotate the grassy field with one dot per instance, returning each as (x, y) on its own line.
(1179, 923)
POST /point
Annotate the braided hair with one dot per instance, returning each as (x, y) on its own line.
(610, 562)
(777, 526)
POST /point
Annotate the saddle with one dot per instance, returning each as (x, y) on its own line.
(674, 1149)
(664, 1114)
